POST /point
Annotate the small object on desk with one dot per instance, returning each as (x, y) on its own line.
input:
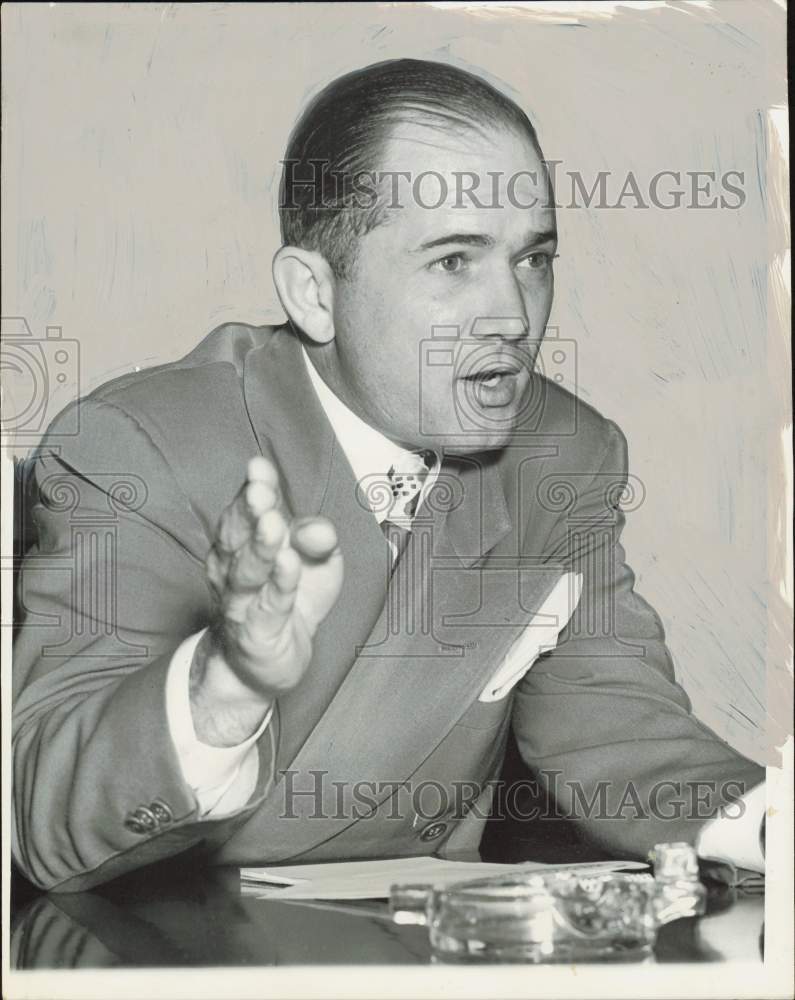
(534, 918)
(408, 904)
(676, 876)
(555, 916)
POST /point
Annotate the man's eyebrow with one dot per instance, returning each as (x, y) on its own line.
(483, 240)
(468, 239)
(542, 236)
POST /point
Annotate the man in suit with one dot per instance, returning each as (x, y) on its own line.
(290, 593)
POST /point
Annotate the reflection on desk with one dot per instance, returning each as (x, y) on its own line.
(200, 919)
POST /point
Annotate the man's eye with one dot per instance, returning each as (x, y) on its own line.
(538, 261)
(451, 264)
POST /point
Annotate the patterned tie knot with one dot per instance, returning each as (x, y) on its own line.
(406, 483)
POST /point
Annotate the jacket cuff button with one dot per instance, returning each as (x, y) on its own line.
(433, 831)
(145, 817)
(161, 812)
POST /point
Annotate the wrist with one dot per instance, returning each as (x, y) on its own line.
(225, 710)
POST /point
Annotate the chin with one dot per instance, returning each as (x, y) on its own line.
(471, 444)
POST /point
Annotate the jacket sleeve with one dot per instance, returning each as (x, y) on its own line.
(600, 720)
(113, 584)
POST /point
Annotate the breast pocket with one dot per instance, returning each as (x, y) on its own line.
(540, 636)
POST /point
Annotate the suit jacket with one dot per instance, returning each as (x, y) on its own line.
(383, 749)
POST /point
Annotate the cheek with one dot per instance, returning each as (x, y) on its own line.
(369, 316)
(541, 302)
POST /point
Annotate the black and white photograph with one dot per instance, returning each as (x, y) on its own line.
(397, 497)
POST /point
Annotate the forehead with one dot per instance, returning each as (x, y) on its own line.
(492, 181)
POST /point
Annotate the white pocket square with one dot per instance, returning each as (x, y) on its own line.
(539, 637)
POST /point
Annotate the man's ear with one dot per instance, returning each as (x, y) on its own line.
(305, 284)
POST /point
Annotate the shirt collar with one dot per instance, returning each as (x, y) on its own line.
(368, 451)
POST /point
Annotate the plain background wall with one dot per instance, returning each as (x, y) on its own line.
(140, 170)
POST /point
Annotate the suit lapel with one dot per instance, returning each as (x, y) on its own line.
(288, 420)
(293, 430)
(478, 517)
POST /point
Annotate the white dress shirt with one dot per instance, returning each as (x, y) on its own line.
(224, 778)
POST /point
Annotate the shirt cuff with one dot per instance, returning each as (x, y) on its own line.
(222, 778)
(734, 836)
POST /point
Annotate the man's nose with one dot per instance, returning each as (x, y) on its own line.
(503, 327)
(507, 316)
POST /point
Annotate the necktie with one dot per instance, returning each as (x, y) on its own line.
(406, 485)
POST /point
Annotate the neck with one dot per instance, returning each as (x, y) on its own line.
(324, 360)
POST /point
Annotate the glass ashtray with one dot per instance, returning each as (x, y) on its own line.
(557, 917)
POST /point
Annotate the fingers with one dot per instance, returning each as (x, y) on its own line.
(276, 555)
(259, 494)
(314, 538)
(270, 612)
(274, 581)
(278, 597)
(260, 470)
(264, 570)
(253, 563)
(238, 524)
(238, 520)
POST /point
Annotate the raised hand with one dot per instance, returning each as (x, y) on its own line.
(275, 582)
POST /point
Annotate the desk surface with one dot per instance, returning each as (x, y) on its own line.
(200, 919)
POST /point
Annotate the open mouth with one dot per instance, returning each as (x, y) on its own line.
(495, 386)
(490, 377)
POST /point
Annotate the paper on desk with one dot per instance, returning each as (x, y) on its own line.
(372, 879)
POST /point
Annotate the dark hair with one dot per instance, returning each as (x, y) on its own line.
(323, 204)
